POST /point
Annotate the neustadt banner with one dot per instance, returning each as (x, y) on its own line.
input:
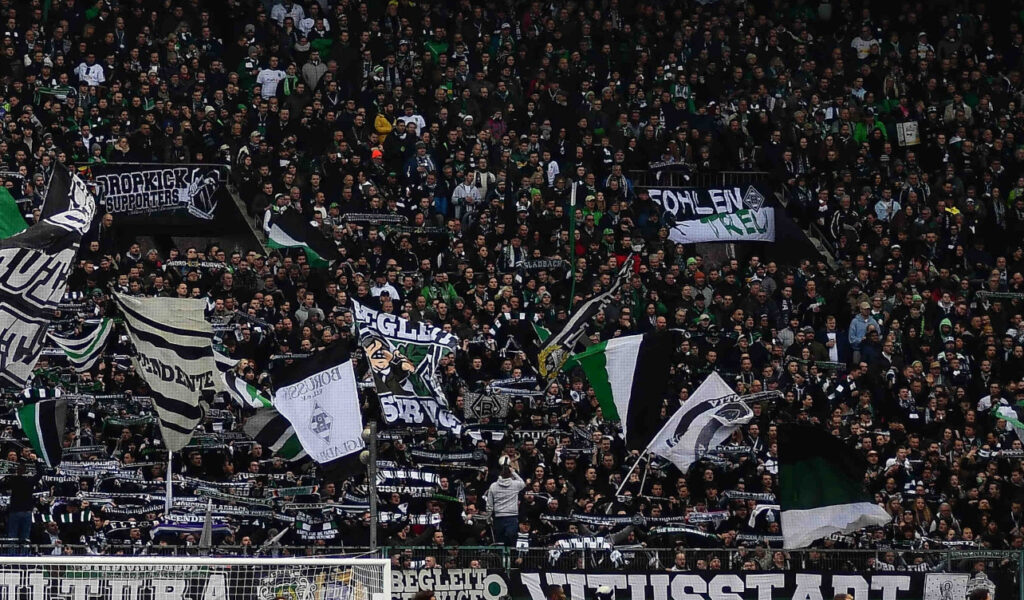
(164, 194)
(731, 214)
(753, 585)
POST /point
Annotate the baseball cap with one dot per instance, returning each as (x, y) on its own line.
(376, 153)
(691, 261)
(608, 231)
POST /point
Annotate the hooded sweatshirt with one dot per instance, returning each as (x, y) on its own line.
(503, 496)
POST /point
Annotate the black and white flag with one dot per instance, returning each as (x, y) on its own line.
(557, 348)
(34, 268)
(174, 354)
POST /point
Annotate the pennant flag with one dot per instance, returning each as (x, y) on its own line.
(174, 355)
(243, 392)
(11, 219)
(706, 420)
(273, 431)
(558, 347)
(821, 487)
(628, 375)
(34, 268)
(542, 332)
(43, 418)
(291, 230)
(319, 397)
(86, 350)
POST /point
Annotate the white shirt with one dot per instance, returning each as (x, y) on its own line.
(417, 120)
(377, 290)
(269, 78)
(279, 13)
(862, 46)
(92, 75)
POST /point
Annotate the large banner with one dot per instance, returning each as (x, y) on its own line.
(450, 584)
(174, 355)
(404, 359)
(731, 214)
(164, 194)
(754, 585)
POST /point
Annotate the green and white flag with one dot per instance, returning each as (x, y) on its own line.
(630, 377)
(43, 419)
(290, 229)
(273, 431)
(84, 351)
(11, 219)
(243, 392)
(821, 487)
(1008, 414)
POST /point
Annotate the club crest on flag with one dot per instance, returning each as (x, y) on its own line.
(753, 199)
(320, 422)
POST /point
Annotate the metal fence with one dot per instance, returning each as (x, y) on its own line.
(649, 178)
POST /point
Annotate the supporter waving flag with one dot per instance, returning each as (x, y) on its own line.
(628, 376)
(559, 346)
(290, 229)
(273, 431)
(702, 423)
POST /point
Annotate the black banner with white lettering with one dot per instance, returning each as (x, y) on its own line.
(753, 585)
(167, 196)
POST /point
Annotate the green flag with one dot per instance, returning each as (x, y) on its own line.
(11, 220)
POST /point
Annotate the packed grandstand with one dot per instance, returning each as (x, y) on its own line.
(518, 238)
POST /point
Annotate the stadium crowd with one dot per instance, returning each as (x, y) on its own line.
(893, 133)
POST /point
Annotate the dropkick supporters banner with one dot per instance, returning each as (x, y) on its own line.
(753, 585)
(731, 214)
(164, 194)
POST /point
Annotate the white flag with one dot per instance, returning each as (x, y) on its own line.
(318, 395)
(703, 422)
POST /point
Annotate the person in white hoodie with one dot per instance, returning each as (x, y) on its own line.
(503, 500)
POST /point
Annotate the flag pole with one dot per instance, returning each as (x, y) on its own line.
(169, 495)
(572, 245)
(643, 455)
